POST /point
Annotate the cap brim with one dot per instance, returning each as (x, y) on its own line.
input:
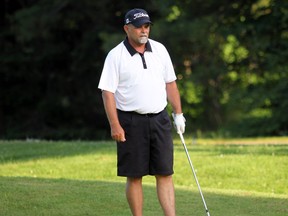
(139, 23)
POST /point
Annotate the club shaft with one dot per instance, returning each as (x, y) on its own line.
(194, 173)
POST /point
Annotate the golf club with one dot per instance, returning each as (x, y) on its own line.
(194, 173)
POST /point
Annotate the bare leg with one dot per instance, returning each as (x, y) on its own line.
(134, 195)
(166, 194)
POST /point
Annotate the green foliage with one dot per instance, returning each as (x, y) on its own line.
(230, 58)
(235, 53)
(52, 56)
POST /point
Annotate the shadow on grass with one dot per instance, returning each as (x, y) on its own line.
(34, 196)
(27, 150)
(279, 150)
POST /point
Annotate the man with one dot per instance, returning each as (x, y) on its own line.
(136, 81)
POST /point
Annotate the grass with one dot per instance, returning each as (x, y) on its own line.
(79, 178)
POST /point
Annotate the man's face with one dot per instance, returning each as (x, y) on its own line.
(138, 35)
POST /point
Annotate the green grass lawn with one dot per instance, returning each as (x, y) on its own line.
(238, 177)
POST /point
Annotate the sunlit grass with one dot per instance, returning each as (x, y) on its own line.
(54, 177)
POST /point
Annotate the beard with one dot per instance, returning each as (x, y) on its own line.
(143, 39)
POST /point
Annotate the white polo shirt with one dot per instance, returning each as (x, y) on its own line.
(138, 81)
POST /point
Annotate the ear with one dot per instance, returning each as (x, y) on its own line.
(125, 27)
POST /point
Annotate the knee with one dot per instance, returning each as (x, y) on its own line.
(160, 178)
(135, 181)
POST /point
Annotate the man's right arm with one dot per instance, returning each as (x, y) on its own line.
(117, 132)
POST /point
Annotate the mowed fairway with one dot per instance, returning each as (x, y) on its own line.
(237, 177)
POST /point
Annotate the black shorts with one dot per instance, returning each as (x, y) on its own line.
(148, 149)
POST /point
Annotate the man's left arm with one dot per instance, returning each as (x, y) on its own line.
(173, 96)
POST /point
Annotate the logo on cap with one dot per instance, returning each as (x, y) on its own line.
(137, 17)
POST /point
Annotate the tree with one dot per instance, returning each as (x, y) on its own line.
(52, 58)
(229, 56)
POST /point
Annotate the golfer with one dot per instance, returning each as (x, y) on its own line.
(137, 80)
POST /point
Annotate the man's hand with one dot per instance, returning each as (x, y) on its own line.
(117, 133)
(179, 122)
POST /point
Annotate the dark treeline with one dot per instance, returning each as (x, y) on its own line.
(230, 57)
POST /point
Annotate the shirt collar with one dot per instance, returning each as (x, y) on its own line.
(132, 51)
